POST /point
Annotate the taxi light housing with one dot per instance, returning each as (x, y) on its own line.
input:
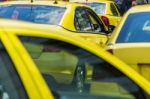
(105, 20)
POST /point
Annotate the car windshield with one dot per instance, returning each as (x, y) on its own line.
(99, 8)
(36, 13)
(135, 29)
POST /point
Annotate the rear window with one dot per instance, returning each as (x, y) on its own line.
(37, 13)
(99, 8)
(135, 29)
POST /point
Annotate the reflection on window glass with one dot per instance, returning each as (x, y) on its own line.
(95, 23)
(10, 85)
(82, 20)
(135, 29)
(72, 71)
(113, 9)
(47, 14)
(35, 13)
(99, 8)
(120, 11)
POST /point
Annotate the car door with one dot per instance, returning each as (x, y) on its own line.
(89, 26)
(15, 80)
(11, 86)
(99, 77)
(27, 84)
(131, 44)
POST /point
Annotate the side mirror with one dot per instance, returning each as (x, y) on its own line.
(111, 28)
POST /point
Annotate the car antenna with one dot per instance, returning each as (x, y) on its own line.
(55, 2)
(86, 1)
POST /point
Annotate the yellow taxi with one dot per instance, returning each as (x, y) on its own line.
(77, 18)
(41, 62)
(130, 41)
(107, 10)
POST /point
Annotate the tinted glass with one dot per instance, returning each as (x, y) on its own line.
(34, 13)
(72, 71)
(135, 29)
(120, 11)
(82, 21)
(10, 84)
(113, 9)
(99, 8)
(95, 22)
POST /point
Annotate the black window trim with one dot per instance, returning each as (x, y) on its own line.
(112, 4)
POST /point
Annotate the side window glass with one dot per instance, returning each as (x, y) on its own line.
(70, 70)
(113, 9)
(10, 84)
(82, 21)
(95, 23)
(77, 25)
(120, 11)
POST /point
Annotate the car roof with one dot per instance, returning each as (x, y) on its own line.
(8, 24)
(42, 2)
(140, 8)
(89, 1)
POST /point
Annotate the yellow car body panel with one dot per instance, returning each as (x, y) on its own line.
(29, 75)
(134, 54)
(113, 20)
(67, 20)
(99, 39)
(12, 29)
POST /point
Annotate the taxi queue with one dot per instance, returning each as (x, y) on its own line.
(73, 50)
